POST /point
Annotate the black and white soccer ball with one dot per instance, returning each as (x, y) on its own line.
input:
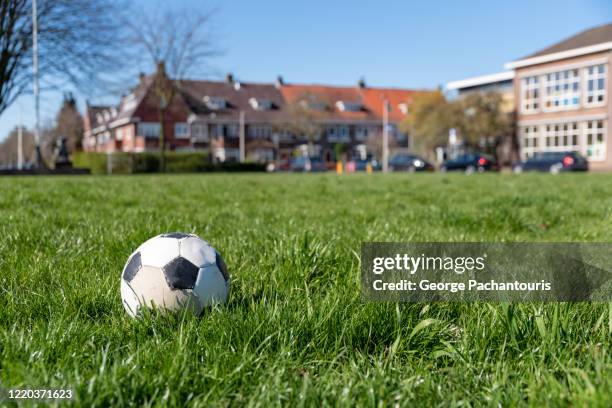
(174, 272)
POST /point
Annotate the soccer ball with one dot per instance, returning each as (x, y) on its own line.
(174, 272)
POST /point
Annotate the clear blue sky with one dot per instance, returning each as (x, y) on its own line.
(396, 43)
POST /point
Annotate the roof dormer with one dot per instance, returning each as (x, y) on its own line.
(260, 104)
(345, 106)
(215, 102)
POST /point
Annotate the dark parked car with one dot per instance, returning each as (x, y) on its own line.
(554, 162)
(307, 164)
(470, 163)
(409, 162)
(361, 164)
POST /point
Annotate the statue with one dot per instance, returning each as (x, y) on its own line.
(62, 157)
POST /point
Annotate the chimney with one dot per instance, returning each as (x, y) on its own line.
(161, 67)
(141, 77)
(229, 78)
(361, 83)
(279, 81)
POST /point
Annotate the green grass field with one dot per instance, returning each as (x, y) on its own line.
(294, 331)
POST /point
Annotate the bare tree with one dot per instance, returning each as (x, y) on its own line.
(77, 44)
(9, 147)
(305, 116)
(179, 43)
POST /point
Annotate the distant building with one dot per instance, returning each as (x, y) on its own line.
(562, 95)
(502, 83)
(274, 118)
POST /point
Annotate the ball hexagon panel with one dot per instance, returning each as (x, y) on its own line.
(197, 251)
(180, 273)
(159, 251)
(211, 286)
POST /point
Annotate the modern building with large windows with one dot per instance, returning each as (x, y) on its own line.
(562, 97)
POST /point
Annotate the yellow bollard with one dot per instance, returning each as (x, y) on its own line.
(339, 168)
(369, 168)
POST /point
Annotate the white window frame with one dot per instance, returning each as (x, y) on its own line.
(199, 132)
(260, 131)
(181, 130)
(595, 77)
(561, 80)
(559, 137)
(595, 151)
(343, 133)
(530, 141)
(530, 94)
(361, 132)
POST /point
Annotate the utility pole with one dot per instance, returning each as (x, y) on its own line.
(39, 163)
(241, 141)
(20, 142)
(385, 147)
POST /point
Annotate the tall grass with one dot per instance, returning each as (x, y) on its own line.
(294, 331)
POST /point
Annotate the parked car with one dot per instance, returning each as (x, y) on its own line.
(554, 162)
(470, 163)
(306, 164)
(361, 164)
(409, 162)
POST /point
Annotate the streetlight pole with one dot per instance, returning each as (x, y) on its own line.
(36, 84)
(241, 141)
(385, 147)
(20, 142)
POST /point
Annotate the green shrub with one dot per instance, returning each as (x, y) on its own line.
(148, 162)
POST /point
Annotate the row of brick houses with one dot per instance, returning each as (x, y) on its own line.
(274, 119)
(560, 96)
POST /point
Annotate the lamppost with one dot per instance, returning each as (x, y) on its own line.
(39, 162)
(385, 147)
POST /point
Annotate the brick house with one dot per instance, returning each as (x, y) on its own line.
(562, 95)
(275, 118)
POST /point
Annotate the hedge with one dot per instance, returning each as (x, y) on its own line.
(176, 162)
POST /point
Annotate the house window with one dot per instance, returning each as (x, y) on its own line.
(595, 78)
(260, 131)
(331, 133)
(181, 130)
(260, 104)
(215, 102)
(561, 137)
(232, 130)
(217, 131)
(595, 131)
(529, 140)
(361, 133)
(530, 94)
(562, 90)
(345, 106)
(199, 132)
(148, 129)
(343, 133)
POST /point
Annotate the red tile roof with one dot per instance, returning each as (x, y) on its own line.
(371, 99)
(281, 97)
